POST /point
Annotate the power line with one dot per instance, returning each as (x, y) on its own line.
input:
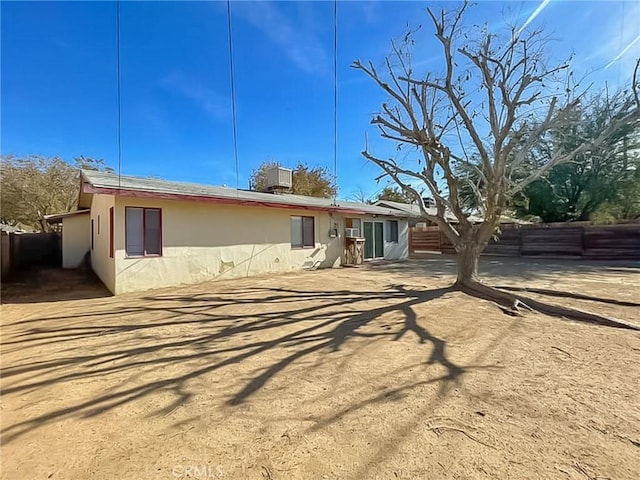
(119, 92)
(335, 92)
(233, 94)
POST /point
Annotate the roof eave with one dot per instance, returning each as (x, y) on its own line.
(58, 217)
(138, 193)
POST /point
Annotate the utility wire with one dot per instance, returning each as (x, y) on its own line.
(119, 96)
(335, 94)
(233, 95)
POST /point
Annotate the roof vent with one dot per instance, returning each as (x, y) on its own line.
(278, 179)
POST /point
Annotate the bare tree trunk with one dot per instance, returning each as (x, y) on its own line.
(468, 282)
(44, 226)
(467, 262)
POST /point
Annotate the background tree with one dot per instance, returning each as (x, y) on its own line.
(574, 191)
(315, 181)
(395, 194)
(35, 186)
(360, 196)
(494, 100)
(89, 163)
(587, 188)
(625, 205)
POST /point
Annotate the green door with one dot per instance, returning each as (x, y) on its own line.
(368, 240)
(378, 244)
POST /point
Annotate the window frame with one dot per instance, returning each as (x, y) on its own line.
(144, 233)
(353, 220)
(313, 231)
(390, 236)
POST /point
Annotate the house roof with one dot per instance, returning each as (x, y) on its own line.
(57, 217)
(95, 182)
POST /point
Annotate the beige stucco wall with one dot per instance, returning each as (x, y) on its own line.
(203, 241)
(397, 250)
(76, 239)
(392, 250)
(102, 264)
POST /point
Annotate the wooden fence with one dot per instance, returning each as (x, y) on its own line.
(21, 251)
(558, 240)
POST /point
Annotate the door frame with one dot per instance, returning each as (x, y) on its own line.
(373, 233)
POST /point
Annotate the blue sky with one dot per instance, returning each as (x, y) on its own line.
(58, 90)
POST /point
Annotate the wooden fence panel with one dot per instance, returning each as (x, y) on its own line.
(566, 240)
(35, 249)
(424, 240)
(552, 241)
(446, 245)
(5, 254)
(507, 243)
(616, 241)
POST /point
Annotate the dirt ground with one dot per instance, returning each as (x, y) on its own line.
(378, 372)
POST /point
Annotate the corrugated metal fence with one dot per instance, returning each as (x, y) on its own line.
(558, 240)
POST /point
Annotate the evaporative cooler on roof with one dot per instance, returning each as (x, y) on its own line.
(279, 179)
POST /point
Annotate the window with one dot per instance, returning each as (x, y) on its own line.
(353, 223)
(392, 231)
(302, 232)
(98, 224)
(92, 234)
(111, 232)
(143, 231)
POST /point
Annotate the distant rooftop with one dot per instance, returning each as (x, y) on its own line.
(413, 210)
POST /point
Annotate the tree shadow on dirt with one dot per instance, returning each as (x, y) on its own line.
(574, 295)
(171, 339)
(296, 323)
(524, 271)
(516, 269)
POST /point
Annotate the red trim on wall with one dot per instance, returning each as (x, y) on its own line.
(160, 222)
(111, 232)
(211, 199)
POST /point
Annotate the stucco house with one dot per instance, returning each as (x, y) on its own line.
(77, 238)
(146, 233)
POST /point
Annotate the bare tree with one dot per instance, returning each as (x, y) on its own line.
(494, 100)
(360, 196)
